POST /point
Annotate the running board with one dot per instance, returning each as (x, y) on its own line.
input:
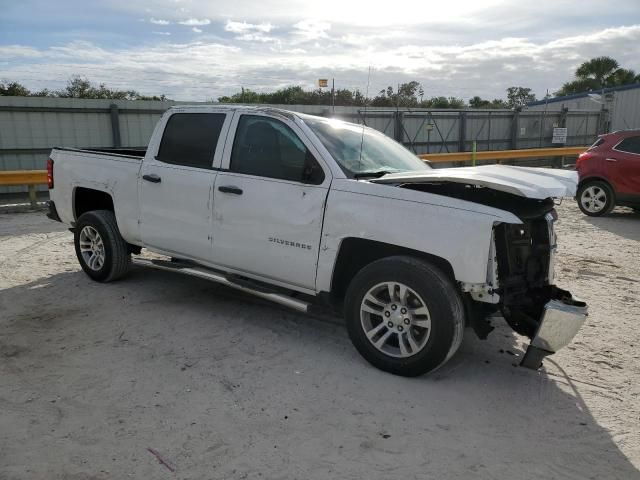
(205, 273)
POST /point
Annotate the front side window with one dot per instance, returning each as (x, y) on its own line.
(266, 147)
(629, 145)
(190, 139)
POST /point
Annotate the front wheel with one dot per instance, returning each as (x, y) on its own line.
(102, 252)
(595, 198)
(404, 315)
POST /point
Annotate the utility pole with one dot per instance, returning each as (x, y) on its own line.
(333, 95)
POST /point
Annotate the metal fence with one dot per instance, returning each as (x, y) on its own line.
(440, 131)
(30, 127)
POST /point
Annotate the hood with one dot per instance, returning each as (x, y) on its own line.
(538, 183)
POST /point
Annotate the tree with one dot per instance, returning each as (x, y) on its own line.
(599, 69)
(622, 76)
(405, 96)
(14, 89)
(597, 73)
(519, 96)
(443, 102)
(477, 102)
(577, 86)
(79, 87)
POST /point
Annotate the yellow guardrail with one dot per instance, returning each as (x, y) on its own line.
(31, 178)
(504, 154)
(23, 177)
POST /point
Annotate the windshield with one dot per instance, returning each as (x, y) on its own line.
(379, 153)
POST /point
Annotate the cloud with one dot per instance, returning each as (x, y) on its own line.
(312, 29)
(197, 30)
(204, 69)
(161, 33)
(244, 27)
(250, 32)
(255, 37)
(195, 21)
(18, 51)
(157, 21)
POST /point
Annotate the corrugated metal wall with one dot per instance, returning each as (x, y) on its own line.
(625, 109)
(622, 107)
(31, 126)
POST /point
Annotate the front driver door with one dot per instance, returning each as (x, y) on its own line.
(269, 202)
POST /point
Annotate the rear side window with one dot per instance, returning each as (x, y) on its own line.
(266, 147)
(629, 145)
(190, 139)
(597, 143)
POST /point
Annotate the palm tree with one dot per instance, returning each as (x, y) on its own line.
(621, 76)
(598, 73)
(599, 69)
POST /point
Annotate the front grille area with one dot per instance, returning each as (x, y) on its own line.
(525, 254)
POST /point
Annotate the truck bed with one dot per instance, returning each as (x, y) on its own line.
(112, 172)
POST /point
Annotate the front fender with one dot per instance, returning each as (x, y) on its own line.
(455, 230)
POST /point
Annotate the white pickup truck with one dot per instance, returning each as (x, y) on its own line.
(313, 212)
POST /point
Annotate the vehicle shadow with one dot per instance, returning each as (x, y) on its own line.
(107, 353)
(622, 221)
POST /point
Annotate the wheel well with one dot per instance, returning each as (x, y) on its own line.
(356, 253)
(594, 179)
(86, 199)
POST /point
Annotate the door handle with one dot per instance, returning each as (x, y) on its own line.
(230, 189)
(153, 178)
(611, 159)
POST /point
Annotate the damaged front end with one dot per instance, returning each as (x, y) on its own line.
(520, 273)
(529, 302)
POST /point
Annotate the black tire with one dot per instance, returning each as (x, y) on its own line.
(438, 293)
(600, 186)
(117, 258)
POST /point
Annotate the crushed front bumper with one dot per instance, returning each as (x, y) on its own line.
(562, 317)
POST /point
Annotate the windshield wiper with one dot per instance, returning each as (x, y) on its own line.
(376, 174)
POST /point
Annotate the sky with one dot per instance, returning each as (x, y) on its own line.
(197, 51)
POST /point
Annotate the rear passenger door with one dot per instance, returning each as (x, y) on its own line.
(269, 202)
(623, 168)
(176, 185)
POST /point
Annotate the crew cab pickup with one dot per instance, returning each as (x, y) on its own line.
(314, 212)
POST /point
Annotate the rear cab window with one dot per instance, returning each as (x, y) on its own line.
(190, 139)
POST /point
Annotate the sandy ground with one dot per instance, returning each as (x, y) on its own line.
(224, 386)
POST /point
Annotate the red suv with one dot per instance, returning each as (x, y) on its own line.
(610, 173)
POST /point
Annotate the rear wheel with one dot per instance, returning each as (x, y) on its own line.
(595, 198)
(102, 252)
(404, 315)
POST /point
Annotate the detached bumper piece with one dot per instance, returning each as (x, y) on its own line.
(53, 213)
(562, 317)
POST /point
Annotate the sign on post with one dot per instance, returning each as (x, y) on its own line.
(323, 82)
(559, 135)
